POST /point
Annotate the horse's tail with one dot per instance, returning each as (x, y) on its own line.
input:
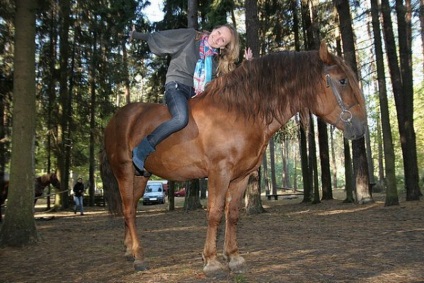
(110, 186)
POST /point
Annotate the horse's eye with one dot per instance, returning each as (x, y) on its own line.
(343, 81)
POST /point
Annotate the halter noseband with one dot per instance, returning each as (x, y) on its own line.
(345, 116)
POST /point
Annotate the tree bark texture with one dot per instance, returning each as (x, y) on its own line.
(360, 161)
(389, 155)
(403, 103)
(19, 226)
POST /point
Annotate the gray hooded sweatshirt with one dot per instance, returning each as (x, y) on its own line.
(183, 47)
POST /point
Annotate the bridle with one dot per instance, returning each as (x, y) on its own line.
(345, 116)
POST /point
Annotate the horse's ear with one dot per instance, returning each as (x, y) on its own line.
(324, 54)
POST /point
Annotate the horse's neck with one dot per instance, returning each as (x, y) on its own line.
(43, 181)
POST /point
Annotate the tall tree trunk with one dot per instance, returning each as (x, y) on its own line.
(92, 159)
(327, 191)
(265, 175)
(19, 227)
(403, 101)
(285, 156)
(404, 15)
(192, 14)
(381, 174)
(349, 178)
(253, 203)
(127, 88)
(349, 185)
(63, 199)
(360, 162)
(192, 198)
(307, 188)
(309, 179)
(272, 162)
(333, 158)
(313, 162)
(422, 30)
(389, 154)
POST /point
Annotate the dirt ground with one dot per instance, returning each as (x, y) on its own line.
(291, 242)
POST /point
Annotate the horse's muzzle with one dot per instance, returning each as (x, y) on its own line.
(354, 129)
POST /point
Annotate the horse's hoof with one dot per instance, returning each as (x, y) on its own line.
(129, 256)
(214, 269)
(237, 265)
(140, 265)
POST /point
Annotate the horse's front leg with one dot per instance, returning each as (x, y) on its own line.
(216, 201)
(236, 263)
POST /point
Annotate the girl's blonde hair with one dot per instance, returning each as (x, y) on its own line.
(229, 55)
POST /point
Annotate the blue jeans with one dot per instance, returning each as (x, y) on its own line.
(79, 203)
(176, 98)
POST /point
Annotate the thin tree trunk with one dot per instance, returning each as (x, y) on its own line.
(265, 174)
(127, 91)
(63, 199)
(327, 191)
(307, 188)
(272, 162)
(313, 162)
(389, 155)
(349, 185)
(333, 158)
(285, 156)
(91, 183)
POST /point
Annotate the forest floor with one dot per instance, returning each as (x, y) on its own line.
(291, 242)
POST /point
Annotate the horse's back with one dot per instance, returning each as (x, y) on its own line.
(132, 122)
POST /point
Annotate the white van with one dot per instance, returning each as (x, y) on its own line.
(154, 193)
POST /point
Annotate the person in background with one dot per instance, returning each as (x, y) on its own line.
(196, 58)
(79, 196)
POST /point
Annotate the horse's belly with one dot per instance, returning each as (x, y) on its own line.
(177, 165)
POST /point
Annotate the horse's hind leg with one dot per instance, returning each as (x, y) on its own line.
(130, 197)
(236, 263)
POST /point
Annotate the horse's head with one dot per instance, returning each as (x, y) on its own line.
(54, 181)
(341, 104)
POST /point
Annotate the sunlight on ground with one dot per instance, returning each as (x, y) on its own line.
(350, 210)
(186, 228)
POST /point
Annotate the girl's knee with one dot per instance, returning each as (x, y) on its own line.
(181, 121)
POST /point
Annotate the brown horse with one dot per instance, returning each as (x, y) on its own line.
(40, 183)
(229, 129)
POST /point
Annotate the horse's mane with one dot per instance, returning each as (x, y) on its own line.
(258, 87)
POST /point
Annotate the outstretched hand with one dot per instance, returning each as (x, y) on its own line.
(132, 31)
(248, 53)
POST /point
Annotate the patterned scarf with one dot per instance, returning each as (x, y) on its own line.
(203, 71)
